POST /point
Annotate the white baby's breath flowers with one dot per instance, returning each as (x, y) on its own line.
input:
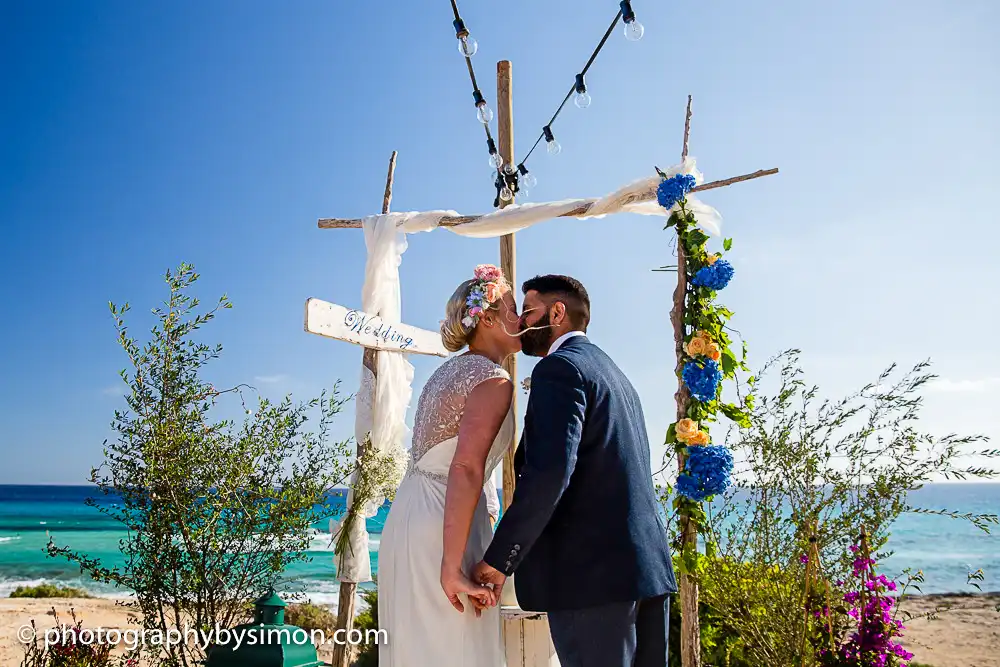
(526, 384)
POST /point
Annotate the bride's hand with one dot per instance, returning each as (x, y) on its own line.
(454, 582)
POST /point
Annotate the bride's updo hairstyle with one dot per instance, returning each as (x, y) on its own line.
(472, 298)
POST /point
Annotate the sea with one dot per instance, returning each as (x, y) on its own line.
(947, 550)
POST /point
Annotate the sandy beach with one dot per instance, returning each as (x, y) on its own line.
(966, 636)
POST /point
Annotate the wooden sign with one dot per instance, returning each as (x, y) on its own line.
(361, 328)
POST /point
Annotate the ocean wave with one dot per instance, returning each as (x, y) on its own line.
(9, 539)
(321, 541)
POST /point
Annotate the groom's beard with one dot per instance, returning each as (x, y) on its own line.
(537, 341)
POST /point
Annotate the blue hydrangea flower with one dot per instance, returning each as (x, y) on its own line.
(707, 472)
(714, 276)
(702, 377)
(672, 190)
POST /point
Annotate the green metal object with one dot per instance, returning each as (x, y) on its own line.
(267, 642)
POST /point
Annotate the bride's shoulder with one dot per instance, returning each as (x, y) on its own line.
(470, 370)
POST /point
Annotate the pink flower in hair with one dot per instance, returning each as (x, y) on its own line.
(475, 311)
(488, 272)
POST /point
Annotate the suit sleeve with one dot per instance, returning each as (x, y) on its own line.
(553, 427)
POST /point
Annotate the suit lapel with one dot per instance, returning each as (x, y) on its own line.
(519, 454)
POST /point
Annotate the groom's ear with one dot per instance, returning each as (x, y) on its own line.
(559, 314)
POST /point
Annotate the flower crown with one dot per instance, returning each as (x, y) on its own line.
(487, 289)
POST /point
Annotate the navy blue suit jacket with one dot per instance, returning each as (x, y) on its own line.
(583, 528)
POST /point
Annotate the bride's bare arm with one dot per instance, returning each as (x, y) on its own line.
(485, 409)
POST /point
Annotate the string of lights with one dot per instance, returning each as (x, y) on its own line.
(467, 47)
(581, 98)
(508, 179)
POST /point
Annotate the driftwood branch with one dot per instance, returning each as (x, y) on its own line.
(581, 210)
(347, 601)
(690, 626)
(687, 130)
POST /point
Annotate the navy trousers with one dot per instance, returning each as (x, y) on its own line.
(624, 634)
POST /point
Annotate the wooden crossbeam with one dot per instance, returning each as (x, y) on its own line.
(578, 212)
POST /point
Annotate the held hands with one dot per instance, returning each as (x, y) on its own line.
(491, 577)
(454, 582)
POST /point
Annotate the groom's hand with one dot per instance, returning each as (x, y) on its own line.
(454, 582)
(487, 575)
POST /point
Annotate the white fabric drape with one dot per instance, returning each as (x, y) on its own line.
(381, 406)
(638, 197)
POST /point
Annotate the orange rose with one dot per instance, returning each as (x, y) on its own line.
(700, 438)
(711, 259)
(686, 429)
(713, 352)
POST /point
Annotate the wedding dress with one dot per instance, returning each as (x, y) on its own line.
(423, 629)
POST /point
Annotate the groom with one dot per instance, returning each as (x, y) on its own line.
(583, 532)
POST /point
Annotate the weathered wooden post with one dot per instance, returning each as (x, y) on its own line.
(347, 602)
(508, 256)
(690, 627)
(526, 634)
(377, 337)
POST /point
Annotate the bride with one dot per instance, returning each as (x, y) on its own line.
(438, 527)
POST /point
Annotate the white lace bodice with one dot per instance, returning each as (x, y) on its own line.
(439, 415)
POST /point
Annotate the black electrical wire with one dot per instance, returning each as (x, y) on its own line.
(472, 74)
(590, 61)
(502, 179)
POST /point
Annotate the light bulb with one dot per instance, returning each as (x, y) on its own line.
(467, 46)
(506, 194)
(633, 31)
(509, 169)
(582, 100)
(496, 161)
(553, 147)
(484, 113)
(529, 181)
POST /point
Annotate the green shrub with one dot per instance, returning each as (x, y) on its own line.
(309, 617)
(368, 620)
(214, 508)
(812, 469)
(49, 591)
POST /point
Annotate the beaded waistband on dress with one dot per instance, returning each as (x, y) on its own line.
(414, 470)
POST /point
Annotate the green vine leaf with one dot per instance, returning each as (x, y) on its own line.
(671, 435)
(729, 363)
(727, 244)
(697, 238)
(738, 416)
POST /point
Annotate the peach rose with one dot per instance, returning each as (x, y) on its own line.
(700, 438)
(713, 352)
(686, 429)
(492, 292)
(697, 346)
(711, 259)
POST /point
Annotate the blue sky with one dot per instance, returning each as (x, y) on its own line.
(134, 136)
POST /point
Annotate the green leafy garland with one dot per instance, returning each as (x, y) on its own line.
(707, 359)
